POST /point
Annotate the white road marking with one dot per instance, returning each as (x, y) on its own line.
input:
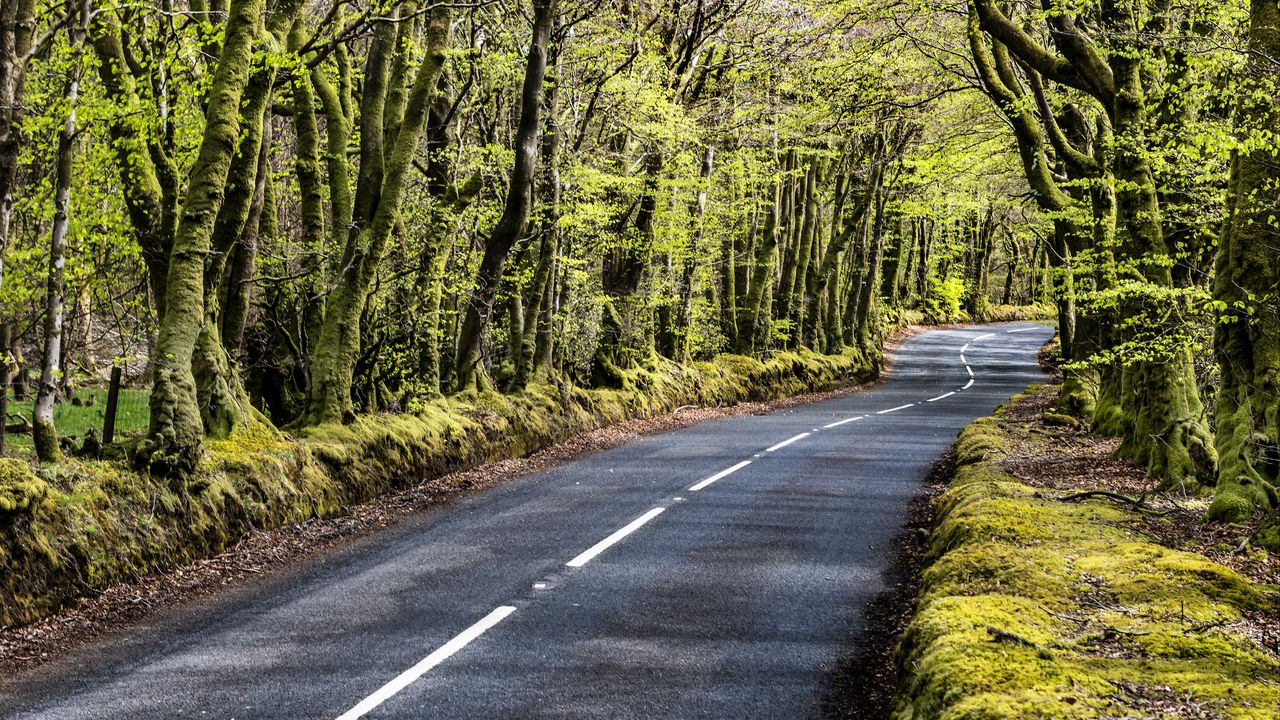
(406, 678)
(620, 533)
(982, 337)
(841, 422)
(963, 359)
(787, 442)
(1024, 329)
(717, 476)
(941, 397)
(966, 367)
(968, 384)
(900, 407)
(963, 348)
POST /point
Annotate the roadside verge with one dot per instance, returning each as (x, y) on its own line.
(1054, 586)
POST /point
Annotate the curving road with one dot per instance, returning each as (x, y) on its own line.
(715, 571)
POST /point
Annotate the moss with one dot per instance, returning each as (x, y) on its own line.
(1060, 420)
(20, 489)
(1078, 603)
(1268, 535)
(45, 438)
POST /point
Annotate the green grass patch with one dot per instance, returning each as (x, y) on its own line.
(71, 419)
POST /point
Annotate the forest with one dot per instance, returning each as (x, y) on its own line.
(275, 215)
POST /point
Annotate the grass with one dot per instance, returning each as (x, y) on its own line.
(132, 414)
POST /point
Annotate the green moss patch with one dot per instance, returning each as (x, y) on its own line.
(1031, 607)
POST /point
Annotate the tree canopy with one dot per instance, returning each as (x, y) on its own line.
(285, 213)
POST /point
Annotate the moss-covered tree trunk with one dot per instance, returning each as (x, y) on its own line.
(753, 311)
(809, 243)
(728, 273)
(1170, 433)
(148, 174)
(337, 346)
(891, 268)
(626, 323)
(976, 301)
(790, 251)
(1247, 292)
(866, 322)
(857, 276)
(238, 284)
(177, 429)
(540, 333)
(694, 255)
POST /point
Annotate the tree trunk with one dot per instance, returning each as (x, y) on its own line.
(515, 212)
(977, 303)
(802, 297)
(337, 345)
(17, 26)
(753, 313)
(868, 296)
(43, 432)
(1247, 277)
(238, 284)
(6, 378)
(1170, 432)
(626, 333)
(684, 320)
(176, 431)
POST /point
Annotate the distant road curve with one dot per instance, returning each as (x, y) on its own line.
(715, 571)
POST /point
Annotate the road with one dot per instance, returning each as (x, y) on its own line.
(716, 571)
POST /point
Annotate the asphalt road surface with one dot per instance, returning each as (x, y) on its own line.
(715, 571)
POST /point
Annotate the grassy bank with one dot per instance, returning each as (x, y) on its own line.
(73, 528)
(1038, 604)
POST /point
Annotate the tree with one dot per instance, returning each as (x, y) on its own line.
(519, 202)
(44, 433)
(1163, 425)
(1246, 290)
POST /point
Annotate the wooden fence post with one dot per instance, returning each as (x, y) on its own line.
(113, 398)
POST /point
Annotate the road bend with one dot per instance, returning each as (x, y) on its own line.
(715, 571)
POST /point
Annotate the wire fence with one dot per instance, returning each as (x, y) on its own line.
(86, 410)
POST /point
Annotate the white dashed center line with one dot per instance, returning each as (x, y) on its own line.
(717, 476)
(406, 678)
(900, 407)
(787, 442)
(620, 533)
